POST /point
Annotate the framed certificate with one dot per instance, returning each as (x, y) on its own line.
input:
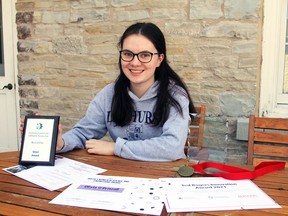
(39, 140)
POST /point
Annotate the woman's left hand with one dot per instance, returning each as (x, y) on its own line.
(100, 147)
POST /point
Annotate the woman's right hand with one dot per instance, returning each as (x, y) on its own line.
(60, 141)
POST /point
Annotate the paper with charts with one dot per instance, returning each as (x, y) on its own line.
(213, 194)
(124, 194)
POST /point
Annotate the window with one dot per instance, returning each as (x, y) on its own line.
(274, 69)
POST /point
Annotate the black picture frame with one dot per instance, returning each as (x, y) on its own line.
(39, 140)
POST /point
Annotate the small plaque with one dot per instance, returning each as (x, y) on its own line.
(39, 140)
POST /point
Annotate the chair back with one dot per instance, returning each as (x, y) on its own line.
(267, 140)
(196, 128)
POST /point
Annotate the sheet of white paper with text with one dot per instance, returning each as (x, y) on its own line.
(63, 173)
(115, 193)
(212, 194)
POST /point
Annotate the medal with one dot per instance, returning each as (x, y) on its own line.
(185, 171)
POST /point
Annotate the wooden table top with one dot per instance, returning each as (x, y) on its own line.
(20, 197)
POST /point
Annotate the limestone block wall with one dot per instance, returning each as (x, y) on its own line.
(67, 52)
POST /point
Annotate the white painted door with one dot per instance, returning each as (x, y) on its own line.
(8, 100)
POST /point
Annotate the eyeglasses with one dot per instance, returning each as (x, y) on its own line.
(144, 57)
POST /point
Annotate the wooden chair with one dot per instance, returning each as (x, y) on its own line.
(195, 136)
(268, 140)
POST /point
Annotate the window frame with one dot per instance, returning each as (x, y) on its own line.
(2, 72)
(273, 103)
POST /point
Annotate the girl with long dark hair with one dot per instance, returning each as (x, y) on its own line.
(145, 111)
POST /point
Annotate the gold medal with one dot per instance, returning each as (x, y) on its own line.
(185, 171)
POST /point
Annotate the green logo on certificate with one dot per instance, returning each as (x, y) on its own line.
(39, 126)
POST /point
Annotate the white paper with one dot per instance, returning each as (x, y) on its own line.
(124, 194)
(63, 173)
(213, 194)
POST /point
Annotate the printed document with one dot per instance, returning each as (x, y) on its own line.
(63, 173)
(213, 194)
(124, 194)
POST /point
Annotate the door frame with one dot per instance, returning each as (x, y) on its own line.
(10, 55)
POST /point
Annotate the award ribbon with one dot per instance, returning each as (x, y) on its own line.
(236, 173)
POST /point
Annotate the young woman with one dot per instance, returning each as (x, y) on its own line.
(146, 110)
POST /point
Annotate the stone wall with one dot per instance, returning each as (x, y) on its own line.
(67, 53)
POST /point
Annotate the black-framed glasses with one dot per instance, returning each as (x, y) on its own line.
(144, 57)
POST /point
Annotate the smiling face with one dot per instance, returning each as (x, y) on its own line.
(141, 75)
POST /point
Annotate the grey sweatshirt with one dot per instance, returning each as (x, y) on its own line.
(140, 140)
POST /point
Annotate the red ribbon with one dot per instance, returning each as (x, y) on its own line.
(236, 173)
